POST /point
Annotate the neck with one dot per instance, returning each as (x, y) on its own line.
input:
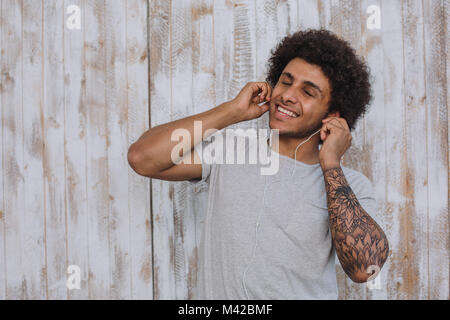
(307, 153)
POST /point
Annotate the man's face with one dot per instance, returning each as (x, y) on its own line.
(304, 90)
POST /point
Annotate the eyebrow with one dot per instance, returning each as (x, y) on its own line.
(307, 82)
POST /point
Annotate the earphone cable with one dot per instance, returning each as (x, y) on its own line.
(264, 199)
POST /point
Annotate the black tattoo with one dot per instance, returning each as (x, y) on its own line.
(358, 239)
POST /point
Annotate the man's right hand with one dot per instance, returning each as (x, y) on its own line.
(245, 105)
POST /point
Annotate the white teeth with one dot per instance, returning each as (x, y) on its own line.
(289, 113)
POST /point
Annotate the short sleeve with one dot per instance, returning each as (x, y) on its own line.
(203, 183)
(365, 193)
(369, 204)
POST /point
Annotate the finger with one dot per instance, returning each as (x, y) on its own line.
(264, 108)
(327, 129)
(336, 122)
(324, 131)
(269, 92)
(265, 91)
(337, 128)
(344, 122)
(260, 90)
(322, 135)
(327, 119)
(256, 88)
(341, 121)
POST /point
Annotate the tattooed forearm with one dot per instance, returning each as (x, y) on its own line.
(358, 239)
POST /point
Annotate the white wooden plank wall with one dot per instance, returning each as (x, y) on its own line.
(73, 100)
(76, 99)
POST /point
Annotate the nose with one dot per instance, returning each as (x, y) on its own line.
(289, 96)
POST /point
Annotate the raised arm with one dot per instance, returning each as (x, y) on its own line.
(359, 240)
(151, 154)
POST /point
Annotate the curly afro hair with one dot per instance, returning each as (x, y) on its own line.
(347, 73)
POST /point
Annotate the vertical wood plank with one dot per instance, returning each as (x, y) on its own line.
(2, 193)
(116, 117)
(54, 133)
(181, 105)
(267, 34)
(414, 224)
(372, 50)
(223, 49)
(161, 112)
(12, 127)
(33, 222)
(325, 20)
(436, 37)
(336, 17)
(97, 170)
(75, 149)
(393, 69)
(309, 14)
(244, 52)
(137, 63)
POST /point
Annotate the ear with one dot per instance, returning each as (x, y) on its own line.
(334, 114)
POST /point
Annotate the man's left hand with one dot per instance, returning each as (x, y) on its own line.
(337, 138)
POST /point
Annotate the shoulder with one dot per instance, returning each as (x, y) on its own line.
(359, 183)
(363, 189)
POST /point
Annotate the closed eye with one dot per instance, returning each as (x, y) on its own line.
(288, 84)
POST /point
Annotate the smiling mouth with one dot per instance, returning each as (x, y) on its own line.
(284, 112)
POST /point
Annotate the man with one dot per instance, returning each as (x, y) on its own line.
(315, 82)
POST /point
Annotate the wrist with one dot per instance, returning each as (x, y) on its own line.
(329, 164)
(230, 113)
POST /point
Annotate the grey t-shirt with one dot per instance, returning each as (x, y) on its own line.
(294, 257)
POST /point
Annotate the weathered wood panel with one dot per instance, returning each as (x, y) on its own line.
(74, 100)
(138, 112)
(17, 282)
(393, 70)
(2, 202)
(414, 222)
(374, 137)
(242, 67)
(12, 132)
(33, 126)
(75, 154)
(77, 98)
(54, 169)
(181, 57)
(117, 139)
(203, 97)
(161, 112)
(99, 278)
(436, 41)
